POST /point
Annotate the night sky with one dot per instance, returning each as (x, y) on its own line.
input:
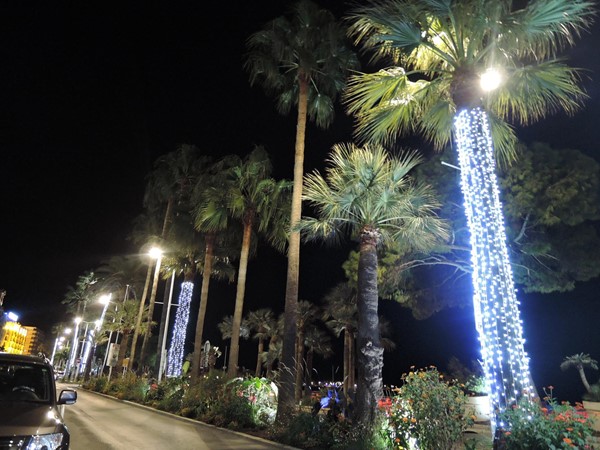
(92, 94)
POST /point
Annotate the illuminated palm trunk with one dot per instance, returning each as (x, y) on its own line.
(175, 356)
(497, 316)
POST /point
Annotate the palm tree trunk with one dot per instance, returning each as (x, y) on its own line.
(207, 271)
(177, 347)
(346, 362)
(494, 299)
(236, 322)
(299, 364)
(285, 402)
(584, 378)
(140, 316)
(150, 311)
(309, 366)
(123, 348)
(370, 352)
(261, 349)
(352, 362)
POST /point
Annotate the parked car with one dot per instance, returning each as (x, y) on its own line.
(30, 417)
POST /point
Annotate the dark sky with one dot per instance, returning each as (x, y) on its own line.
(94, 92)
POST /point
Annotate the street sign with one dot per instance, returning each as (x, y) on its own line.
(113, 354)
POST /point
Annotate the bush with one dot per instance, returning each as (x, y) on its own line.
(534, 426)
(200, 399)
(428, 410)
(130, 387)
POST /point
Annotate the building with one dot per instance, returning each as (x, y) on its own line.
(14, 338)
(19, 339)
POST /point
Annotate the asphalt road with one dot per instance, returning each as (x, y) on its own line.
(97, 422)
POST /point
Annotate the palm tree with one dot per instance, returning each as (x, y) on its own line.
(341, 317)
(78, 296)
(317, 342)
(580, 362)
(307, 315)
(226, 328)
(439, 51)
(172, 182)
(221, 242)
(303, 61)
(123, 320)
(260, 203)
(261, 321)
(368, 195)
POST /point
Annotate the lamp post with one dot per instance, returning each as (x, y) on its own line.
(57, 341)
(111, 332)
(71, 363)
(154, 253)
(162, 344)
(157, 253)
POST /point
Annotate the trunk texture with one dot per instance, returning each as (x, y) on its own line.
(232, 366)
(285, 403)
(370, 353)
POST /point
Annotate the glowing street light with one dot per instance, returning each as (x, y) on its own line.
(59, 340)
(490, 80)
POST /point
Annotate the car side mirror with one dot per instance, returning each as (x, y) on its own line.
(67, 397)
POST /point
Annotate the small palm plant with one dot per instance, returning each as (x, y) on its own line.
(580, 361)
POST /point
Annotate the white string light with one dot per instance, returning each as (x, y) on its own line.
(497, 316)
(175, 356)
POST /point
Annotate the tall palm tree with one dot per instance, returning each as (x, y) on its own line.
(260, 203)
(368, 195)
(262, 322)
(440, 50)
(303, 61)
(580, 362)
(171, 182)
(221, 242)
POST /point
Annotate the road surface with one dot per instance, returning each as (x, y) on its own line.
(98, 422)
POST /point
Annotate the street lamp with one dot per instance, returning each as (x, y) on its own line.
(156, 253)
(57, 341)
(490, 80)
(71, 363)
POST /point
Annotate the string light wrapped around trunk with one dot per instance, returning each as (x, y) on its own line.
(497, 316)
(175, 355)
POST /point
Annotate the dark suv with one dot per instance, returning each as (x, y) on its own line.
(30, 417)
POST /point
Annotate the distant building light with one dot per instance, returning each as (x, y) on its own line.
(12, 316)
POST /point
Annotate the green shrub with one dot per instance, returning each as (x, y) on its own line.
(304, 430)
(428, 410)
(200, 399)
(260, 394)
(130, 387)
(534, 426)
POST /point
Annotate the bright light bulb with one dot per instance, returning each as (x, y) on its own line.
(490, 80)
(155, 252)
